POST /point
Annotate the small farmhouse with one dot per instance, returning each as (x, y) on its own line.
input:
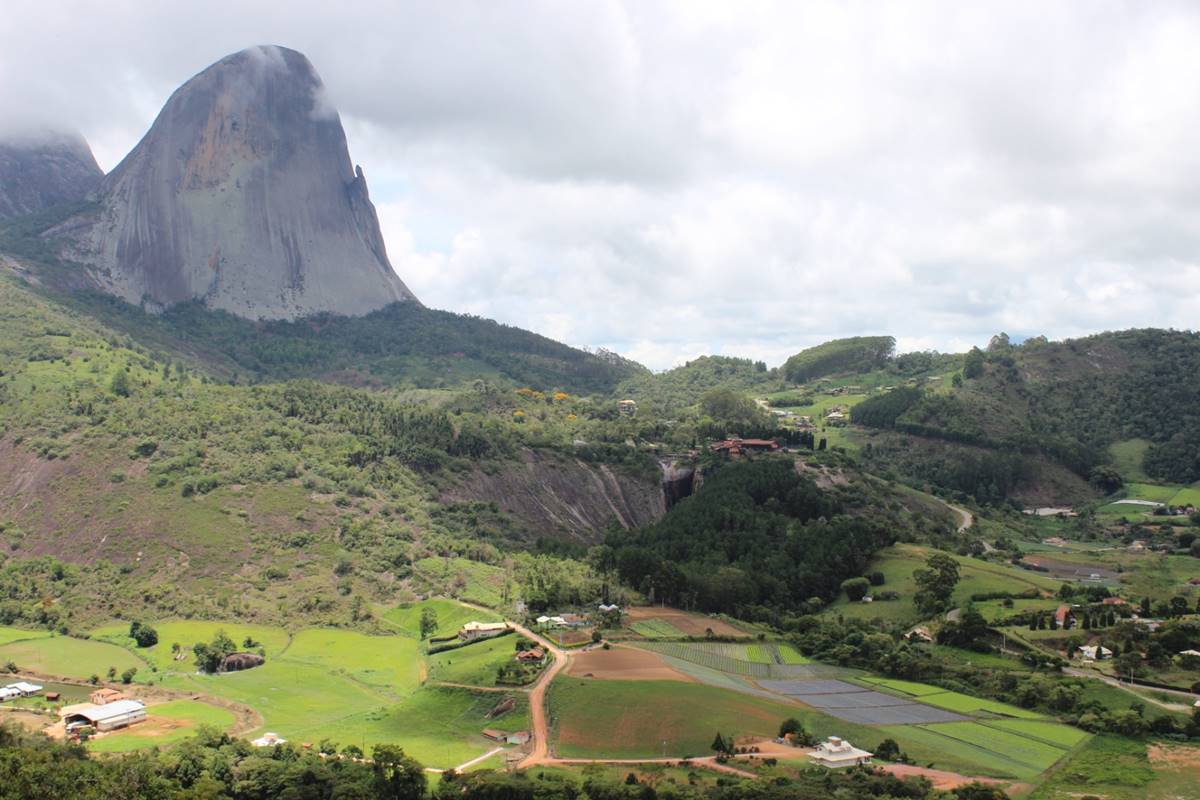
(482, 630)
(102, 697)
(1095, 652)
(7, 693)
(532, 655)
(836, 752)
(735, 446)
(108, 717)
(24, 688)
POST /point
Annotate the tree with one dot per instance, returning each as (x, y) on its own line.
(120, 384)
(856, 588)
(1179, 606)
(143, 634)
(973, 363)
(719, 745)
(1106, 478)
(397, 777)
(935, 583)
(790, 725)
(429, 622)
(888, 750)
(979, 791)
(127, 675)
(112, 673)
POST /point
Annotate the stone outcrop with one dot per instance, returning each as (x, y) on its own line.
(44, 169)
(241, 195)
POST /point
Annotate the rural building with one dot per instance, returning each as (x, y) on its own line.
(836, 752)
(835, 418)
(736, 446)
(25, 689)
(1064, 617)
(494, 735)
(1115, 601)
(482, 630)
(8, 694)
(607, 607)
(108, 717)
(534, 654)
(520, 737)
(102, 697)
(1192, 653)
(627, 408)
(268, 739)
(919, 635)
(1095, 652)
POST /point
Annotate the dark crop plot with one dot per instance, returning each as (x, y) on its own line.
(856, 704)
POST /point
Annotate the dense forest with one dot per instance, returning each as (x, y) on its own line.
(757, 536)
(856, 354)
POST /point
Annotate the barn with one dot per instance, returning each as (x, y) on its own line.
(108, 717)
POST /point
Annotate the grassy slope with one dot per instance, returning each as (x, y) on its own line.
(188, 714)
(69, 658)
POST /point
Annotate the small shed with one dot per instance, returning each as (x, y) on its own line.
(494, 735)
(102, 697)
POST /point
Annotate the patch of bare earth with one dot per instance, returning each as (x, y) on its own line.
(685, 622)
(624, 664)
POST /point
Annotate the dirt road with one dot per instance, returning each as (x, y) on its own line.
(539, 753)
(1183, 707)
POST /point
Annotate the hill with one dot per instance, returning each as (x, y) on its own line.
(856, 354)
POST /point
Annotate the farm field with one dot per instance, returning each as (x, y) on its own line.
(966, 704)
(907, 687)
(626, 664)
(1036, 756)
(68, 657)
(186, 633)
(657, 629)
(629, 719)
(947, 750)
(1122, 769)
(1052, 732)
(1127, 457)
(166, 723)
(8, 635)
(450, 617)
(683, 622)
(734, 659)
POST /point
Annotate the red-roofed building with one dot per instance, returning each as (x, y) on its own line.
(735, 446)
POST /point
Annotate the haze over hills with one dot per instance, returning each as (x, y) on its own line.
(241, 195)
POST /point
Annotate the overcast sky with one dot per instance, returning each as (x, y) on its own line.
(672, 179)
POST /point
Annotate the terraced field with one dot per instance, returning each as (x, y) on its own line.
(1030, 756)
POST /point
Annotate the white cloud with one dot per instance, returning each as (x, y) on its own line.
(669, 179)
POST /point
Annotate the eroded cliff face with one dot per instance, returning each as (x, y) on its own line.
(43, 169)
(556, 496)
(242, 195)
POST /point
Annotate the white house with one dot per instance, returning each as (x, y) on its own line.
(480, 630)
(268, 739)
(7, 693)
(1194, 653)
(1093, 652)
(836, 752)
(24, 688)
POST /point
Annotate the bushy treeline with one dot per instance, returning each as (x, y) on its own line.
(213, 766)
(855, 354)
(757, 534)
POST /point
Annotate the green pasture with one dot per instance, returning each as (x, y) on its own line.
(188, 714)
(71, 658)
(387, 662)
(1116, 768)
(910, 688)
(474, 664)
(438, 726)
(186, 633)
(1128, 457)
(1188, 496)
(451, 616)
(1150, 491)
(8, 635)
(897, 563)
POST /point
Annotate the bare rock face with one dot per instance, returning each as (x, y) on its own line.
(241, 195)
(44, 169)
